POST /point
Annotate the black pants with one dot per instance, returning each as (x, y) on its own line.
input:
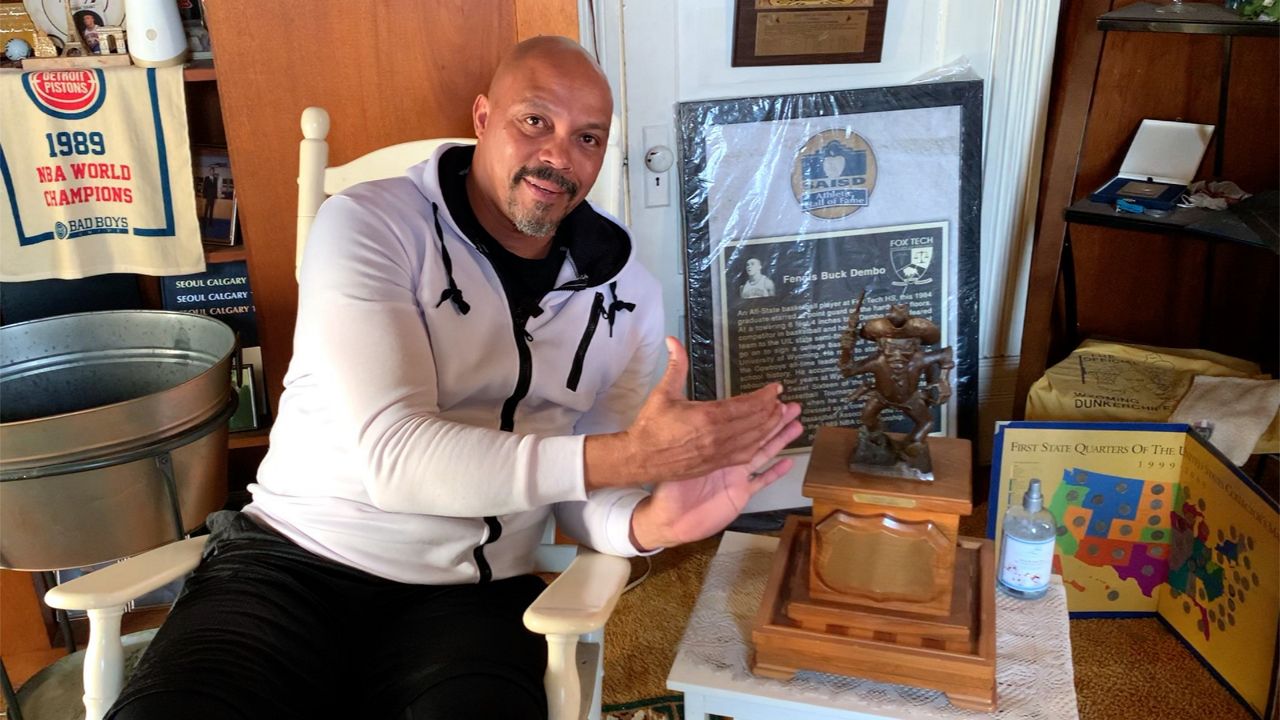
(265, 629)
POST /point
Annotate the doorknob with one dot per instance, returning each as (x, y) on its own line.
(659, 158)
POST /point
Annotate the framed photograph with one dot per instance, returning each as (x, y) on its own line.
(808, 32)
(806, 215)
(215, 191)
(251, 355)
(246, 415)
(88, 21)
(51, 15)
(192, 14)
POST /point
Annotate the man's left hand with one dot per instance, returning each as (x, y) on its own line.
(682, 511)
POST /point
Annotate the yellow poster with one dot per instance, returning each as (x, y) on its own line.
(1152, 520)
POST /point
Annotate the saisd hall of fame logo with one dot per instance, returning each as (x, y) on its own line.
(66, 94)
(834, 174)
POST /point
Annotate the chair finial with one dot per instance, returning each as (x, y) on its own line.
(315, 123)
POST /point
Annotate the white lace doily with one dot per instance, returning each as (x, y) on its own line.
(1034, 677)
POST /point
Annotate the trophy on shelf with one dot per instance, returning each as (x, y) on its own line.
(879, 584)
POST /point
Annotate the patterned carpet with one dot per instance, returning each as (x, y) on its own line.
(668, 707)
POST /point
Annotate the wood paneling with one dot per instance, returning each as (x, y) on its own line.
(24, 644)
(386, 71)
(1253, 114)
(1138, 286)
(539, 17)
(1147, 75)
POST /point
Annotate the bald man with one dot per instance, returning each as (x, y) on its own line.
(473, 353)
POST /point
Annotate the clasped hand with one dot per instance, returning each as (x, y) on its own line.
(704, 459)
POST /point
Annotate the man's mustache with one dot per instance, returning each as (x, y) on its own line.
(547, 174)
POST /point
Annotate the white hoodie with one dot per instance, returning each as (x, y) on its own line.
(389, 451)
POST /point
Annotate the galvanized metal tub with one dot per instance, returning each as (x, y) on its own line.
(113, 433)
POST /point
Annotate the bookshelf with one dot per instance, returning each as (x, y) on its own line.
(1193, 278)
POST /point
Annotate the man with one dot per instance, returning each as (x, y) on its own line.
(209, 190)
(89, 32)
(758, 285)
(473, 348)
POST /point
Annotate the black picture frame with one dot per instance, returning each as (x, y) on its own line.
(246, 415)
(705, 127)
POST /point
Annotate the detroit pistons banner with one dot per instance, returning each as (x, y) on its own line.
(95, 172)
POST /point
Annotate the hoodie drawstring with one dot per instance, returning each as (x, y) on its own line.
(453, 294)
(616, 306)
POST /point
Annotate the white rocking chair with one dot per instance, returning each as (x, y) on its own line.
(571, 612)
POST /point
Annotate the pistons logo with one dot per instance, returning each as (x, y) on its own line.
(66, 94)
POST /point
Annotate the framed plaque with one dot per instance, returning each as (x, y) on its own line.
(805, 214)
(808, 32)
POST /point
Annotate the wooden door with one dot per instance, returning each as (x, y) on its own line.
(387, 71)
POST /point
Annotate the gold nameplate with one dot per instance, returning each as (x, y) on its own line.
(812, 4)
(869, 499)
(811, 33)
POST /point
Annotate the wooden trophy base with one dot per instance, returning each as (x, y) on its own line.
(954, 653)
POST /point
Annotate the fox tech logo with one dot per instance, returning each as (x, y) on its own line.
(66, 94)
(834, 174)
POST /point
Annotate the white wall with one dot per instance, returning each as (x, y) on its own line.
(676, 51)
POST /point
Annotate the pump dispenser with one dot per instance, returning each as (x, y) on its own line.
(1026, 546)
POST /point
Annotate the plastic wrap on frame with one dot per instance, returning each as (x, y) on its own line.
(796, 206)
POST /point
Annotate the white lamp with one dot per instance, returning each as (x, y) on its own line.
(155, 33)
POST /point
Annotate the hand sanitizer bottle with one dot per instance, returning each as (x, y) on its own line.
(1026, 547)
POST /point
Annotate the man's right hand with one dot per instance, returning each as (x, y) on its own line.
(673, 438)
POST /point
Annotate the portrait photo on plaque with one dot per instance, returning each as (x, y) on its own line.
(806, 216)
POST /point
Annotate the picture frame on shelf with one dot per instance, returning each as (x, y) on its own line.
(233, 236)
(50, 16)
(88, 22)
(251, 356)
(245, 417)
(192, 14)
(215, 193)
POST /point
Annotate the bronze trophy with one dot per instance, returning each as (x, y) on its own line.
(879, 584)
(897, 366)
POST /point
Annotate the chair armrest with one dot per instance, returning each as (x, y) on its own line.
(124, 581)
(582, 598)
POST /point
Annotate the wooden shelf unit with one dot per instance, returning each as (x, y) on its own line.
(1191, 278)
